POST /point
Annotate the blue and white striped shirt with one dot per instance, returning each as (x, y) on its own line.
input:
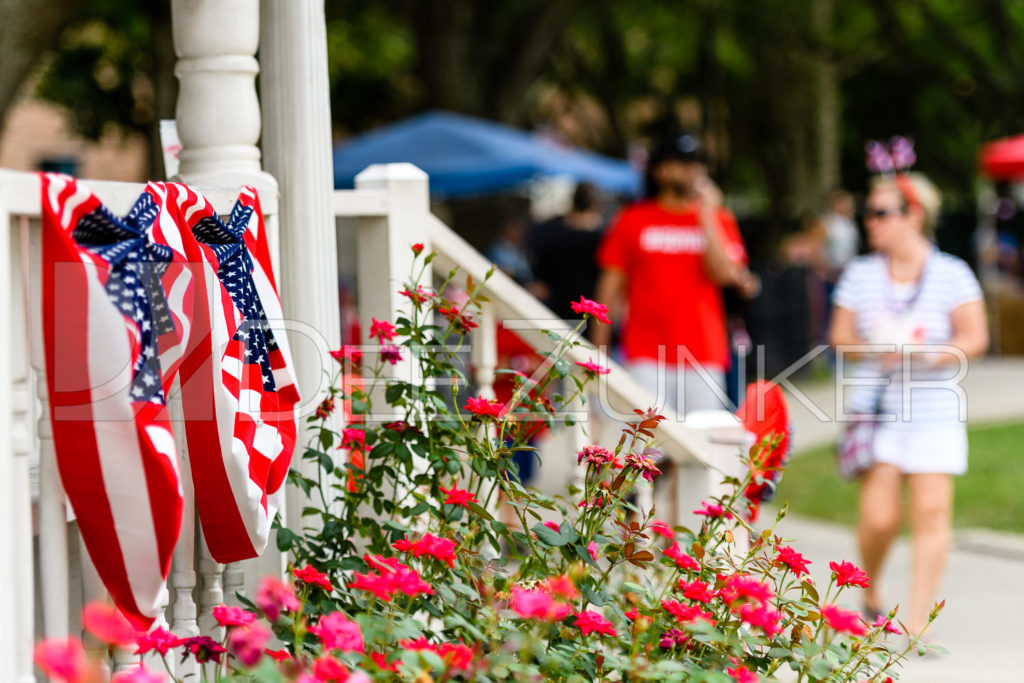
(906, 313)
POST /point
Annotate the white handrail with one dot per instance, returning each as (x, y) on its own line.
(684, 446)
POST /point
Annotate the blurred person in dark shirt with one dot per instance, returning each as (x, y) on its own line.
(564, 248)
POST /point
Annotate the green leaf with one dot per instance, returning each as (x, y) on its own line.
(598, 597)
(285, 539)
(326, 438)
(549, 537)
(419, 508)
(394, 392)
(567, 531)
(476, 509)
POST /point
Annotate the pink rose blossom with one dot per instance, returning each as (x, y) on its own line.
(338, 632)
(592, 549)
(232, 616)
(328, 668)
(457, 496)
(792, 559)
(246, 643)
(712, 510)
(108, 624)
(682, 560)
(63, 659)
(274, 596)
(537, 604)
(139, 675)
(592, 369)
(390, 354)
(662, 529)
(883, 622)
(159, 639)
(742, 675)
(309, 574)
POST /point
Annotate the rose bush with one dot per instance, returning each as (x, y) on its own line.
(403, 571)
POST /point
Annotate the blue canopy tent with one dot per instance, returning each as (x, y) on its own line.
(466, 156)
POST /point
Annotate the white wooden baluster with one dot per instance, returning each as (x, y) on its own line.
(211, 592)
(21, 439)
(484, 358)
(184, 621)
(234, 582)
(53, 518)
(15, 515)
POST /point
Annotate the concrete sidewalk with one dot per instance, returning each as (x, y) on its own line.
(981, 624)
(994, 389)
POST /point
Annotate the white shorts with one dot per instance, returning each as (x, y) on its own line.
(681, 387)
(938, 450)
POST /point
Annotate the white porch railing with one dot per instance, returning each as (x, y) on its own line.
(49, 576)
(391, 203)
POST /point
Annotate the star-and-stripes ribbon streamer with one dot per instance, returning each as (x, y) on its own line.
(169, 291)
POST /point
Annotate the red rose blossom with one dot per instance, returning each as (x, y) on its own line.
(311, 576)
(457, 496)
(792, 559)
(587, 307)
(842, 620)
(381, 330)
(593, 369)
(590, 622)
(483, 407)
(849, 573)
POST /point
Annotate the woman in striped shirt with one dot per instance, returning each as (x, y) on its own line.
(925, 307)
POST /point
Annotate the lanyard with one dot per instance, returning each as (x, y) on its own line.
(895, 307)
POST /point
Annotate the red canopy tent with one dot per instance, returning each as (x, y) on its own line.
(1004, 159)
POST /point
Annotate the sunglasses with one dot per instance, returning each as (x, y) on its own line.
(880, 213)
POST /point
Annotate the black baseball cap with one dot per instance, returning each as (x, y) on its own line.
(685, 147)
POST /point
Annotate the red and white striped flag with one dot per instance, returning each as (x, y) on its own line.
(238, 388)
(104, 316)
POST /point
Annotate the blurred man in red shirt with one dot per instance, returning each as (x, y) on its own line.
(667, 259)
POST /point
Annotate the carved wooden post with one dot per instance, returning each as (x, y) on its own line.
(218, 113)
(297, 148)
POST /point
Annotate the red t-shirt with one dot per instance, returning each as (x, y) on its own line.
(672, 300)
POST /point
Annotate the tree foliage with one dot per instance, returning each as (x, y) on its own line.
(785, 92)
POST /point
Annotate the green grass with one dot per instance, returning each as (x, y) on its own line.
(990, 495)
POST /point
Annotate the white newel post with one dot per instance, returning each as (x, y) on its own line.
(728, 442)
(294, 90)
(385, 244)
(385, 257)
(219, 123)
